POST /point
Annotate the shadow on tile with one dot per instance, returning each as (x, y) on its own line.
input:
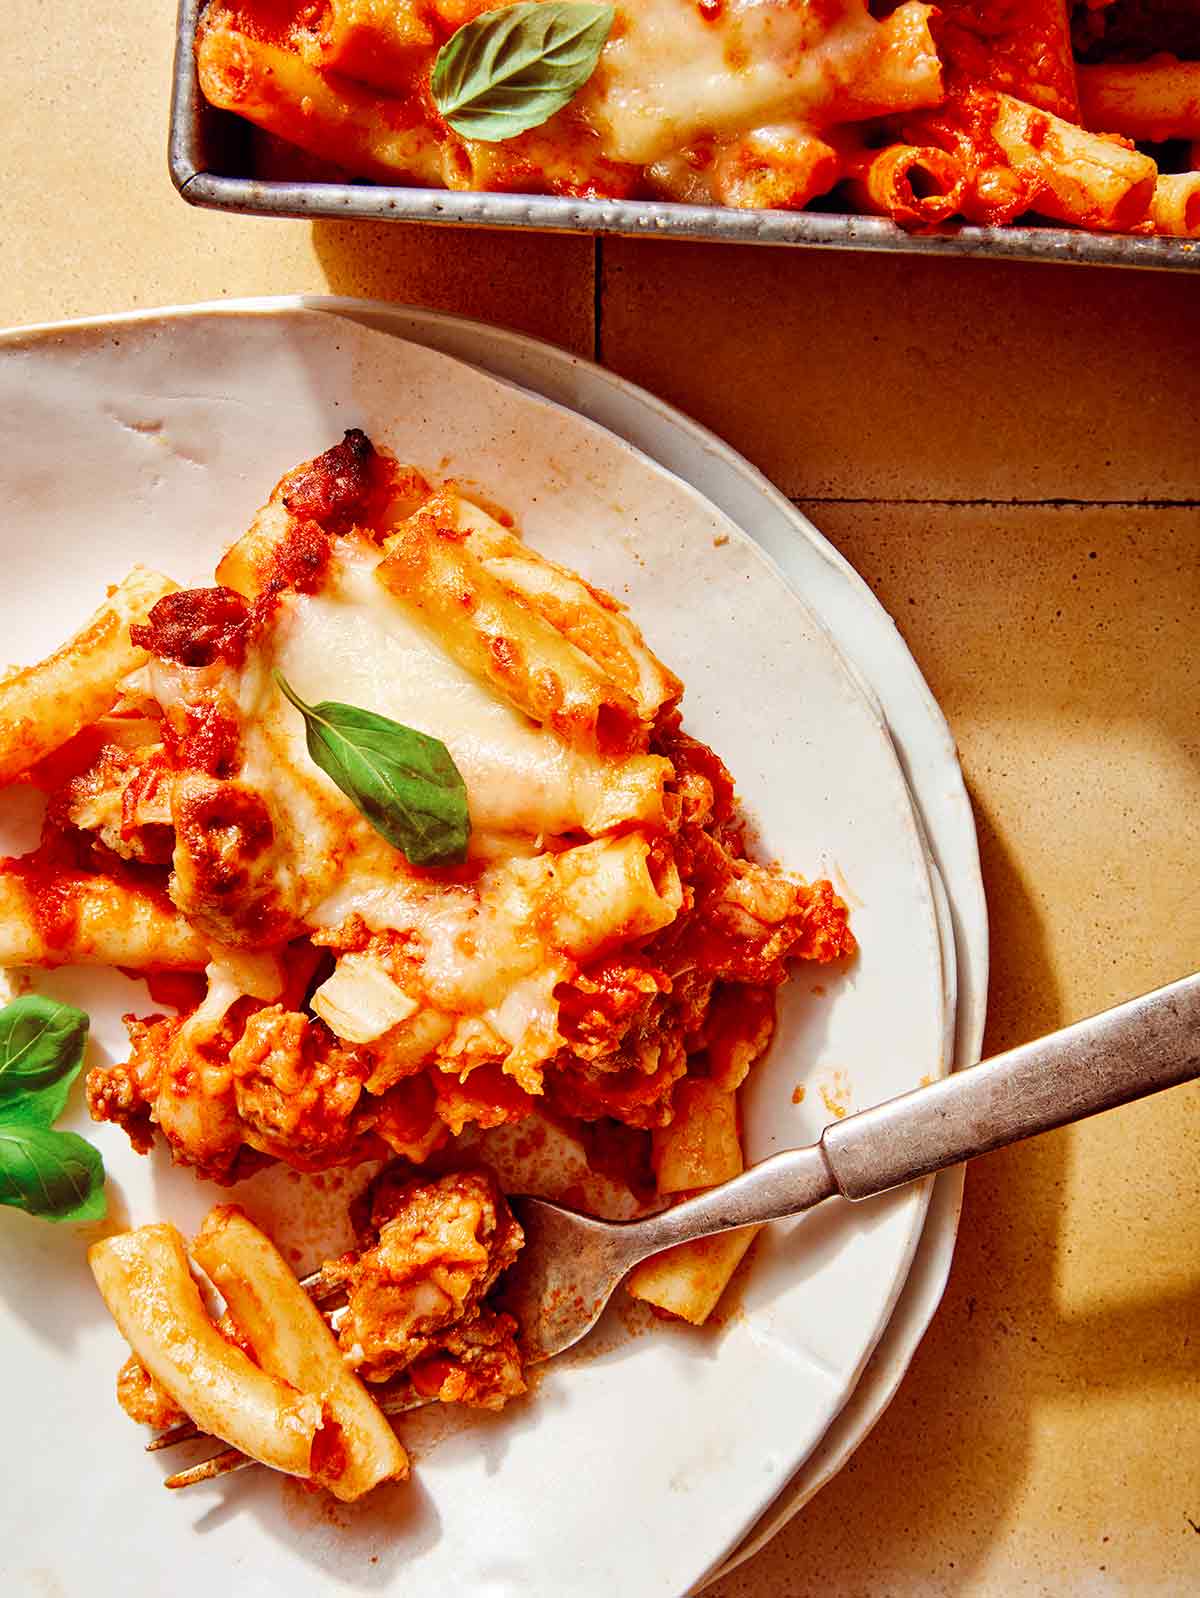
(857, 376)
(534, 282)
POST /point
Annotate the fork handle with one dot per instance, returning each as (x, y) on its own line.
(1123, 1054)
(1139, 1048)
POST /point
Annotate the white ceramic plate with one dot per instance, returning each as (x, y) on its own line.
(154, 437)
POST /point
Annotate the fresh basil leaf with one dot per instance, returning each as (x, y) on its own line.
(403, 781)
(52, 1174)
(41, 1052)
(510, 70)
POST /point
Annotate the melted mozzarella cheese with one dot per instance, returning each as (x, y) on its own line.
(490, 951)
(496, 951)
(669, 74)
(484, 955)
(472, 948)
(352, 642)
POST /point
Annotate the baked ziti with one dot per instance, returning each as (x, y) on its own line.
(985, 110)
(400, 820)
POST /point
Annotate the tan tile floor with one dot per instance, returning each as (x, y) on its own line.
(1009, 456)
(899, 377)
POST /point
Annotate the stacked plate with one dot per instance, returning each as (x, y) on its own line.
(653, 1461)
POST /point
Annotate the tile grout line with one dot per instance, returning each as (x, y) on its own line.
(1061, 503)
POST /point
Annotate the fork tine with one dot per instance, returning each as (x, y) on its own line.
(320, 1286)
(401, 1400)
(183, 1433)
(229, 1459)
(222, 1464)
(397, 1402)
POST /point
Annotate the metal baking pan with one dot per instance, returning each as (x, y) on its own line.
(211, 158)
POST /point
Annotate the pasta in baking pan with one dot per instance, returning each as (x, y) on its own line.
(985, 110)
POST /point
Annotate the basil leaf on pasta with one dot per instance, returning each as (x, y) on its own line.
(55, 1175)
(404, 782)
(511, 69)
(41, 1053)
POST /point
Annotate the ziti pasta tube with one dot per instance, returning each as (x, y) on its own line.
(916, 185)
(292, 1342)
(44, 705)
(1154, 100)
(332, 117)
(1175, 205)
(497, 637)
(1071, 174)
(144, 1278)
(585, 617)
(69, 918)
(699, 1149)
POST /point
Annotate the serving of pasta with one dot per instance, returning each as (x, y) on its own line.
(1076, 111)
(400, 819)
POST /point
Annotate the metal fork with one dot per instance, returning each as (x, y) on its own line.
(571, 1264)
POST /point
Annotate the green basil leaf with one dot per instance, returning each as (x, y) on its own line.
(52, 1174)
(41, 1052)
(510, 70)
(403, 781)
